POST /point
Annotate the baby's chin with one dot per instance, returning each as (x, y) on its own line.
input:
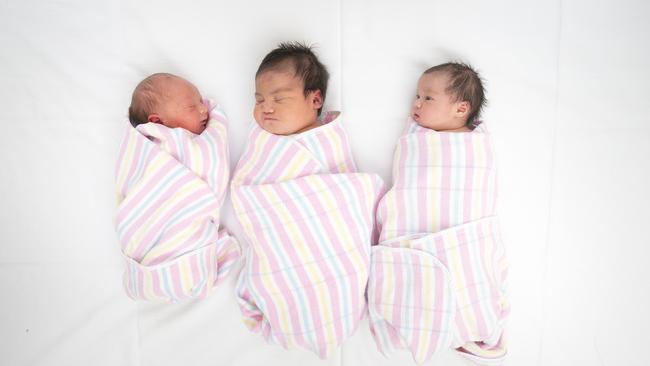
(417, 119)
(274, 128)
(197, 130)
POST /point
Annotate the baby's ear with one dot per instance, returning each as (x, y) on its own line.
(317, 99)
(462, 109)
(154, 118)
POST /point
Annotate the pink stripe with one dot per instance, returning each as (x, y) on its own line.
(439, 304)
(401, 213)
(343, 259)
(356, 235)
(219, 163)
(160, 231)
(486, 181)
(169, 142)
(130, 280)
(399, 294)
(469, 175)
(282, 163)
(378, 279)
(177, 287)
(261, 164)
(194, 269)
(445, 171)
(155, 282)
(138, 198)
(350, 165)
(491, 303)
(441, 255)
(208, 162)
(421, 183)
(279, 280)
(122, 152)
(184, 143)
(418, 292)
(470, 280)
(133, 163)
(330, 157)
(153, 207)
(140, 283)
(302, 276)
(247, 155)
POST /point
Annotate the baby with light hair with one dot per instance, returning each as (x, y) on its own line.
(171, 178)
(169, 100)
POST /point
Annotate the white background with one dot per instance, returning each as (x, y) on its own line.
(568, 87)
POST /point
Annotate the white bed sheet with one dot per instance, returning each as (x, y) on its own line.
(556, 73)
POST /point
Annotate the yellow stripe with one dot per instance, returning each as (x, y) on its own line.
(245, 170)
(143, 183)
(124, 168)
(427, 303)
(297, 163)
(186, 190)
(388, 289)
(456, 267)
(279, 301)
(315, 276)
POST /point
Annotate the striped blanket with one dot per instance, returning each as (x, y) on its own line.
(437, 279)
(170, 188)
(308, 219)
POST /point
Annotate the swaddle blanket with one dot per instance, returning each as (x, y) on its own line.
(308, 218)
(437, 279)
(170, 188)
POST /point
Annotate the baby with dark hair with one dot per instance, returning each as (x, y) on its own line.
(449, 98)
(306, 212)
(439, 241)
(290, 89)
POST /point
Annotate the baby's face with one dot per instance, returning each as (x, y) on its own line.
(281, 108)
(434, 108)
(181, 106)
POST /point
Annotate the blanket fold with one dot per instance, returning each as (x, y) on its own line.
(308, 220)
(170, 188)
(440, 239)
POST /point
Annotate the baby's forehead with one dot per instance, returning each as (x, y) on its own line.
(278, 77)
(177, 88)
(435, 80)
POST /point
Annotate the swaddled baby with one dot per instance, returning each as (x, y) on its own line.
(438, 275)
(171, 178)
(307, 215)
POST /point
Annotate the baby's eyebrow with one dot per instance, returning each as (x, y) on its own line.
(276, 91)
(280, 90)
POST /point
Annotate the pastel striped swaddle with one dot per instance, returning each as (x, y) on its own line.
(437, 279)
(308, 219)
(170, 187)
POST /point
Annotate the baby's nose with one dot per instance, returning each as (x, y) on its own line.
(267, 107)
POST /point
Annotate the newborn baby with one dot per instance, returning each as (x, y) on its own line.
(171, 177)
(437, 277)
(307, 214)
(169, 100)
